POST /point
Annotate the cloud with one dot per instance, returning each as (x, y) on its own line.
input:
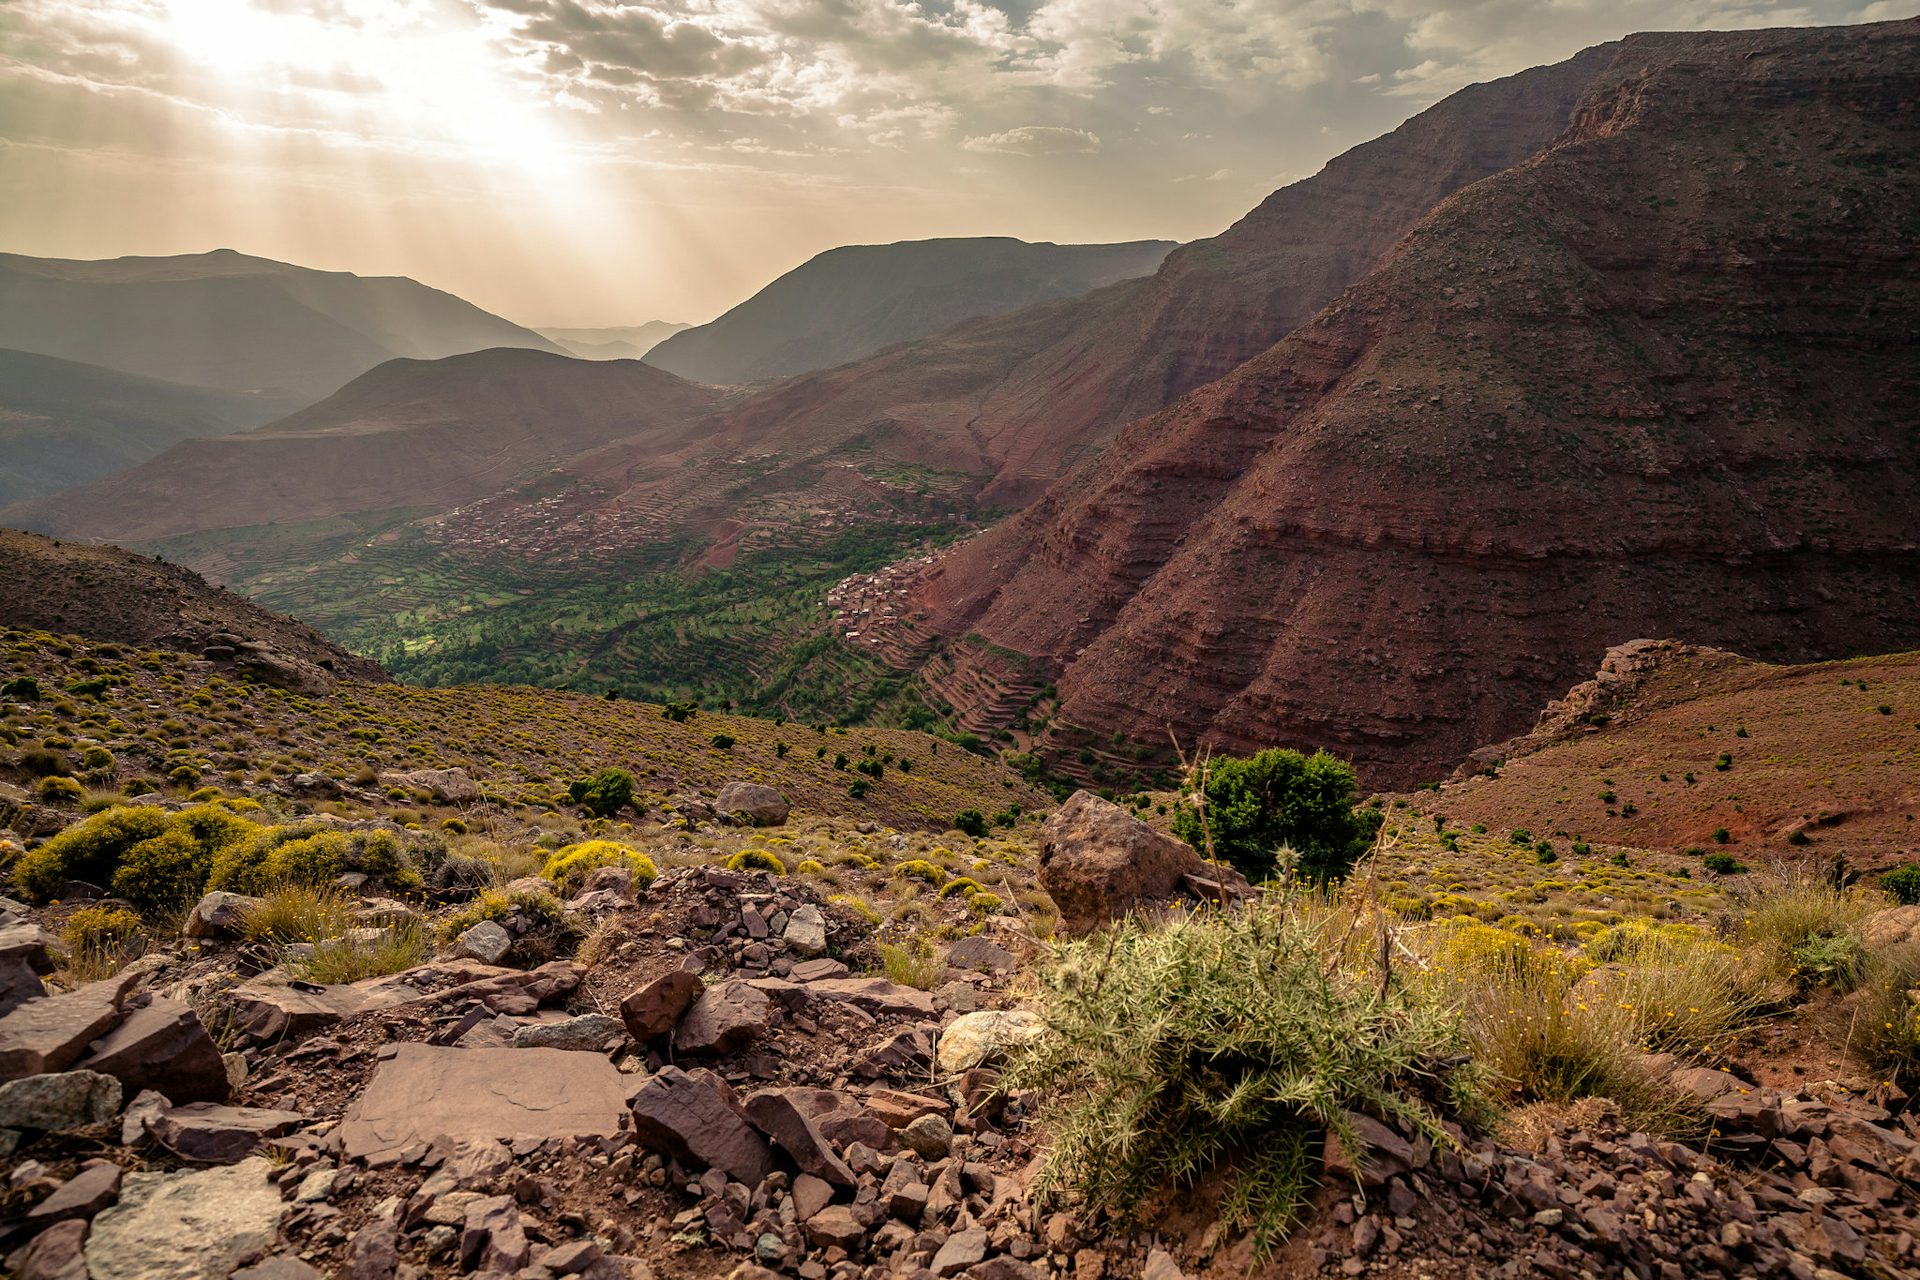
(1036, 140)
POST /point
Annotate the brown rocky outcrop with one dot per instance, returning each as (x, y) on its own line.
(1098, 863)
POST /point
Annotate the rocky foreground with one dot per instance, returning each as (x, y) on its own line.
(714, 1086)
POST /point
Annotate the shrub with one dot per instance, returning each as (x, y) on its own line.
(1903, 884)
(1721, 835)
(959, 885)
(922, 870)
(808, 867)
(756, 860)
(679, 712)
(311, 854)
(40, 763)
(298, 913)
(1724, 864)
(97, 758)
(570, 867)
(1278, 799)
(972, 822)
(604, 793)
(984, 903)
(912, 964)
(1805, 929)
(546, 929)
(94, 850)
(1885, 1033)
(99, 942)
(723, 742)
(59, 791)
(398, 947)
(1547, 1038)
(1227, 1042)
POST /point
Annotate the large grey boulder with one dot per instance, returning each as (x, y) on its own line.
(977, 1039)
(1098, 863)
(59, 1101)
(186, 1226)
(806, 932)
(762, 805)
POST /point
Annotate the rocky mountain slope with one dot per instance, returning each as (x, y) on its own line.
(1677, 747)
(108, 594)
(63, 423)
(622, 342)
(237, 323)
(715, 1035)
(1656, 380)
(415, 434)
(849, 302)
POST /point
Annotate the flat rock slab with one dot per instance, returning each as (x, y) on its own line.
(877, 996)
(215, 1134)
(186, 1226)
(50, 1034)
(426, 1091)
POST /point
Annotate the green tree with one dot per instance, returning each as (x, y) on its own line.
(1280, 798)
(970, 821)
(605, 793)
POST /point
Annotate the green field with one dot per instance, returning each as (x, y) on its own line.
(647, 627)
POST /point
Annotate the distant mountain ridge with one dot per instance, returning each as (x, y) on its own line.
(409, 434)
(232, 322)
(621, 342)
(851, 301)
(64, 424)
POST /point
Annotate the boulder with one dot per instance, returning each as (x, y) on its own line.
(930, 1137)
(836, 1226)
(23, 958)
(589, 1033)
(764, 806)
(980, 953)
(50, 1034)
(806, 932)
(655, 1009)
(777, 1115)
(729, 1016)
(210, 1133)
(962, 1250)
(691, 1121)
(984, 1037)
(1891, 927)
(162, 1047)
(449, 786)
(421, 1092)
(81, 1196)
(494, 1239)
(59, 1101)
(219, 915)
(486, 942)
(842, 1118)
(1098, 862)
(818, 970)
(186, 1226)
(58, 1253)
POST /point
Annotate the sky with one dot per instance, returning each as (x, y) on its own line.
(605, 162)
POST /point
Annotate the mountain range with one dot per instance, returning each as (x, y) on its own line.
(237, 323)
(63, 423)
(849, 302)
(1656, 380)
(622, 342)
(1619, 346)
